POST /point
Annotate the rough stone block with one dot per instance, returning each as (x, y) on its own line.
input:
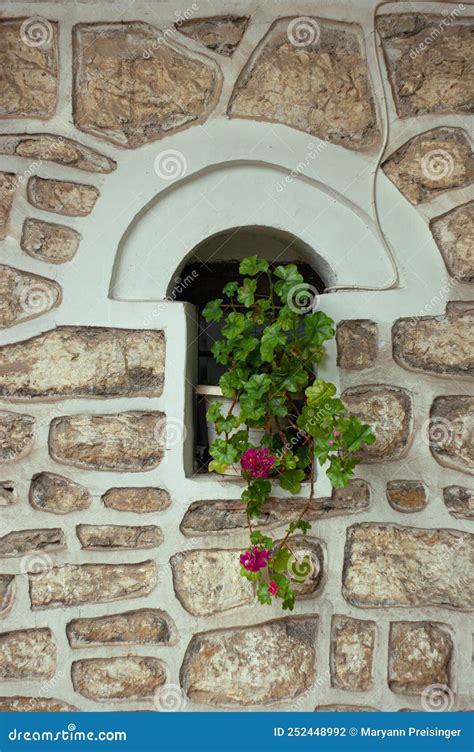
(25, 296)
(17, 434)
(406, 495)
(122, 678)
(141, 500)
(27, 654)
(357, 344)
(146, 626)
(54, 493)
(454, 236)
(450, 432)
(61, 197)
(352, 653)
(419, 656)
(103, 537)
(49, 242)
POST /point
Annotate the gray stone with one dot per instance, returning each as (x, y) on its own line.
(450, 432)
(357, 344)
(8, 185)
(352, 653)
(459, 502)
(141, 500)
(54, 493)
(7, 594)
(406, 495)
(17, 434)
(103, 537)
(419, 656)
(8, 494)
(20, 542)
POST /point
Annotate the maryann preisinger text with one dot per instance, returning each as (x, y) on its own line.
(382, 733)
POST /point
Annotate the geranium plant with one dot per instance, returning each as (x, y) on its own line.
(273, 339)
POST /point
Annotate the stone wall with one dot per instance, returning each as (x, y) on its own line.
(118, 583)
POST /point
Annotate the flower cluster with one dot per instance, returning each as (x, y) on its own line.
(255, 559)
(257, 463)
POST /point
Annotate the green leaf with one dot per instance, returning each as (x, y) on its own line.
(258, 385)
(213, 310)
(246, 293)
(255, 495)
(261, 540)
(289, 277)
(252, 576)
(291, 480)
(230, 289)
(252, 265)
(223, 454)
(304, 526)
(319, 392)
(263, 595)
(280, 561)
(271, 339)
(278, 406)
(341, 470)
(235, 325)
(290, 375)
(244, 347)
(214, 412)
(319, 327)
(357, 434)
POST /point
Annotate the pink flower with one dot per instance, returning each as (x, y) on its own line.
(336, 434)
(257, 463)
(255, 559)
(331, 442)
(272, 587)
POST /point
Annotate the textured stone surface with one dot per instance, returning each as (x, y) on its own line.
(451, 432)
(146, 626)
(454, 236)
(61, 197)
(20, 542)
(431, 163)
(131, 89)
(352, 653)
(257, 664)
(7, 593)
(8, 494)
(217, 517)
(30, 72)
(346, 709)
(17, 433)
(123, 442)
(49, 242)
(208, 582)
(54, 493)
(99, 537)
(84, 362)
(357, 344)
(419, 656)
(459, 502)
(25, 296)
(22, 704)
(220, 34)
(387, 565)
(322, 87)
(51, 148)
(430, 61)
(122, 678)
(27, 654)
(8, 186)
(146, 499)
(406, 495)
(437, 344)
(75, 584)
(306, 568)
(388, 409)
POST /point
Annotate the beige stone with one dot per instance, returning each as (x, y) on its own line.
(75, 584)
(388, 410)
(352, 653)
(406, 495)
(25, 296)
(388, 565)
(357, 344)
(419, 656)
(255, 665)
(7, 594)
(454, 236)
(130, 88)
(102, 537)
(30, 71)
(431, 163)
(125, 442)
(219, 517)
(221, 34)
(8, 494)
(121, 678)
(84, 362)
(441, 345)
(56, 494)
(20, 542)
(346, 709)
(52, 243)
(27, 654)
(208, 581)
(51, 148)
(146, 626)
(22, 704)
(431, 65)
(459, 502)
(8, 185)
(141, 500)
(450, 432)
(17, 434)
(61, 197)
(322, 87)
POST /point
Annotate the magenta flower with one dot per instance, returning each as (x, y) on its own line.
(257, 463)
(336, 434)
(272, 587)
(255, 559)
(331, 442)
